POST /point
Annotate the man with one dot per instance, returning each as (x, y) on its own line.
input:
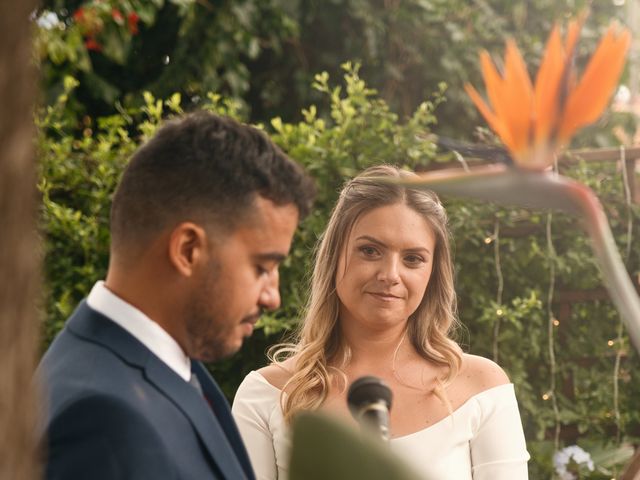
(202, 217)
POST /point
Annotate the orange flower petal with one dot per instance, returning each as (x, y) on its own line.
(587, 102)
(573, 32)
(494, 121)
(493, 83)
(547, 86)
(568, 83)
(518, 98)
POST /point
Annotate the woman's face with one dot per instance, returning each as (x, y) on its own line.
(385, 267)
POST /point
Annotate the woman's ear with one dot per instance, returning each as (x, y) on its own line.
(187, 247)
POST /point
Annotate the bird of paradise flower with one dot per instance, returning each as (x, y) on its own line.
(534, 121)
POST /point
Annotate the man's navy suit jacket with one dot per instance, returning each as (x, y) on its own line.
(116, 411)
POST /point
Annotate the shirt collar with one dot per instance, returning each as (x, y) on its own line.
(148, 332)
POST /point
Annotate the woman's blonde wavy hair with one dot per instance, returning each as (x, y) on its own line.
(317, 345)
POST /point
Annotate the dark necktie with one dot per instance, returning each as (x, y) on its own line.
(195, 383)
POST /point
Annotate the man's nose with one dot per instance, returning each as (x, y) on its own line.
(270, 294)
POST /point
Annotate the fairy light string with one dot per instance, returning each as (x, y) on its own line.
(499, 276)
(620, 336)
(628, 200)
(551, 324)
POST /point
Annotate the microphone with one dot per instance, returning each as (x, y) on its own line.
(369, 401)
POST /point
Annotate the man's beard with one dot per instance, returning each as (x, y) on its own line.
(208, 333)
(209, 343)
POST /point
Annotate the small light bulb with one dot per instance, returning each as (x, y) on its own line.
(610, 343)
(556, 322)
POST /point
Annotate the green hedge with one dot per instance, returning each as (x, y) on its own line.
(506, 310)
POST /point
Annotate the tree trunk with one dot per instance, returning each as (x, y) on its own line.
(19, 249)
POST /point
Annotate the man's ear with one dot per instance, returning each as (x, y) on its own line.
(187, 247)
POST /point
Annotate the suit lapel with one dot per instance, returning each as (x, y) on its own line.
(221, 409)
(195, 408)
(97, 328)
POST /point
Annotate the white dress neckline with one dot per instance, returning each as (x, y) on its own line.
(481, 440)
(458, 411)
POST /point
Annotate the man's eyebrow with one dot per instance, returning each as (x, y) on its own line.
(382, 244)
(276, 257)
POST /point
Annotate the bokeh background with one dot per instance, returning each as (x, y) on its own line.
(341, 85)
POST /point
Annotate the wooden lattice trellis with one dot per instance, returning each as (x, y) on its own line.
(630, 155)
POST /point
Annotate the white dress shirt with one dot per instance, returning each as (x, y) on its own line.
(148, 332)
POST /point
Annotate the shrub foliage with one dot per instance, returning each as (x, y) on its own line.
(521, 275)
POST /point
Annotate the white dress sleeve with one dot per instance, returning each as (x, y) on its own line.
(256, 410)
(498, 447)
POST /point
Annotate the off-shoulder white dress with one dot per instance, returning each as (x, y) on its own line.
(481, 440)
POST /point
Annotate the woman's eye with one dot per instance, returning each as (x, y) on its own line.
(368, 251)
(414, 259)
(262, 270)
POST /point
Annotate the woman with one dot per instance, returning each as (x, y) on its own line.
(383, 303)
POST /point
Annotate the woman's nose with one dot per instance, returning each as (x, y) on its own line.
(390, 270)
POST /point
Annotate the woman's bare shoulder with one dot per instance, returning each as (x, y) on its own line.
(278, 374)
(479, 374)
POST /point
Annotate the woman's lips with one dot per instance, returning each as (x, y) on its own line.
(387, 297)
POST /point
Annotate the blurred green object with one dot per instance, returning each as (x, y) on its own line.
(323, 448)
